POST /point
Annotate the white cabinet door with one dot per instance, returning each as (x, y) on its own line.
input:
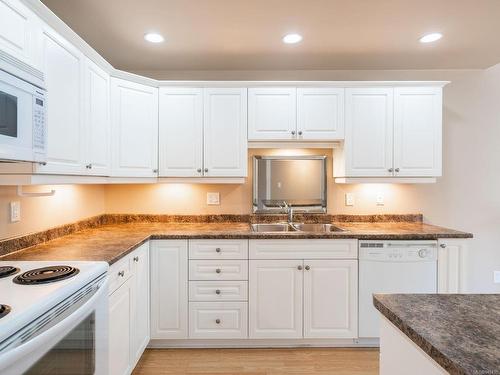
(369, 132)
(225, 132)
(272, 113)
(17, 28)
(320, 113)
(452, 260)
(330, 298)
(275, 299)
(97, 120)
(134, 119)
(120, 314)
(140, 307)
(63, 67)
(417, 131)
(181, 132)
(169, 289)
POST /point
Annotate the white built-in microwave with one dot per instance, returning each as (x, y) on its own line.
(23, 131)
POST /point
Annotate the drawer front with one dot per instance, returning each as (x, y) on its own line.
(218, 270)
(304, 249)
(218, 291)
(119, 272)
(218, 249)
(218, 320)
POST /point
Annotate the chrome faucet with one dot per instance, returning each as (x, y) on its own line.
(289, 211)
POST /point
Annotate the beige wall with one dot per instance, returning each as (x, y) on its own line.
(466, 197)
(70, 203)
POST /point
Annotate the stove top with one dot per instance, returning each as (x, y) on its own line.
(4, 310)
(6, 271)
(46, 275)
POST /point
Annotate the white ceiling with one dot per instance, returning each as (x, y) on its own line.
(246, 34)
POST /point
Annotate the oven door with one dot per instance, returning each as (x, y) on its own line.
(75, 342)
(16, 118)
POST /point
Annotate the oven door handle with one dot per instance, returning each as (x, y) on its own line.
(12, 359)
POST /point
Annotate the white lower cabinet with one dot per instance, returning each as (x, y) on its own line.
(169, 289)
(128, 310)
(218, 320)
(452, 258)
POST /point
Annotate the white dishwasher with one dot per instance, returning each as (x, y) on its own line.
(393, 267)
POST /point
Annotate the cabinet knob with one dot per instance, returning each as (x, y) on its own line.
(136, 259)
(218, 270)
(206, 169)
(88, 166)
(442, 246)
(308, 268)
(391, 169)
(300, 132)
(217, 291)
(218, 249)
(43, 163)
(299, 268)
(198, 170)
(217, 321)
(396, 170)
(121, 273)
(293, 132)
(155, 170)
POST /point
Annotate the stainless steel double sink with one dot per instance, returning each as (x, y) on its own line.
(295, 227)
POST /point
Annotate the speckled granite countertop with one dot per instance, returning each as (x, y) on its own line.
(461, 332)
(113, 241)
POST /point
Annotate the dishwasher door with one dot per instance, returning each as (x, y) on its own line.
(393, 267)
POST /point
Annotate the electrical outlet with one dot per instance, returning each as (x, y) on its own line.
(213, 199)
(15, 211)
(496, 277)
(380, 199)
(349, 199)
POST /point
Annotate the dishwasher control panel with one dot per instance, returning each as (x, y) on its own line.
(398, 251)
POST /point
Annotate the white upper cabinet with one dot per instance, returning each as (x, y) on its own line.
(225, 135)
(320, 114)
(181, 132)
(18, 26)
(97, 120)
(203, 132)
(417, 131)
(368, 132)
(63, 67)
(134, 119)
(272, 113)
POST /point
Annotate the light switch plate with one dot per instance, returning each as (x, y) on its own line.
(213, 199)
(15, 211)
(349, 199)
(496, 277)
(380, 199)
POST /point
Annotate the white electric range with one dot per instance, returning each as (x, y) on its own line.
(53, 318)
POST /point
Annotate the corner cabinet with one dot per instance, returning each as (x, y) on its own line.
(203, 132)
(391, 132)
(134, 119)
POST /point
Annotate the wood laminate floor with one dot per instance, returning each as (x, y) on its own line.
(300, 361)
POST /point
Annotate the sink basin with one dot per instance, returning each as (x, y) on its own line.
(305, 227)
(277, 227)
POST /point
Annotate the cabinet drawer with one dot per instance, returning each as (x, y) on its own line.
(119, 272)
(218, 290)
(304, 249)
(218, 249)
(218, 270)
(218, 320)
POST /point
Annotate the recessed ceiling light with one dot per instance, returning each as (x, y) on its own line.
(292, 38)
(154, 37)
(432, 37)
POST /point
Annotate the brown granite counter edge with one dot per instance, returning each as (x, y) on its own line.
(450, 366)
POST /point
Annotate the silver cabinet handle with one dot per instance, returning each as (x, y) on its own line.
(308, 268)
(299, 268)
(217, 291)
(217, 321)
(155, 170)
(218, 249)
(136, 259)
(396, 170)
(391, 169)
(218, 270)
(206, 169)
(43, 163)
(300, 132)
(89, 166)
(198, 170)
(121, 273)
(442, 246)
(293, 132)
